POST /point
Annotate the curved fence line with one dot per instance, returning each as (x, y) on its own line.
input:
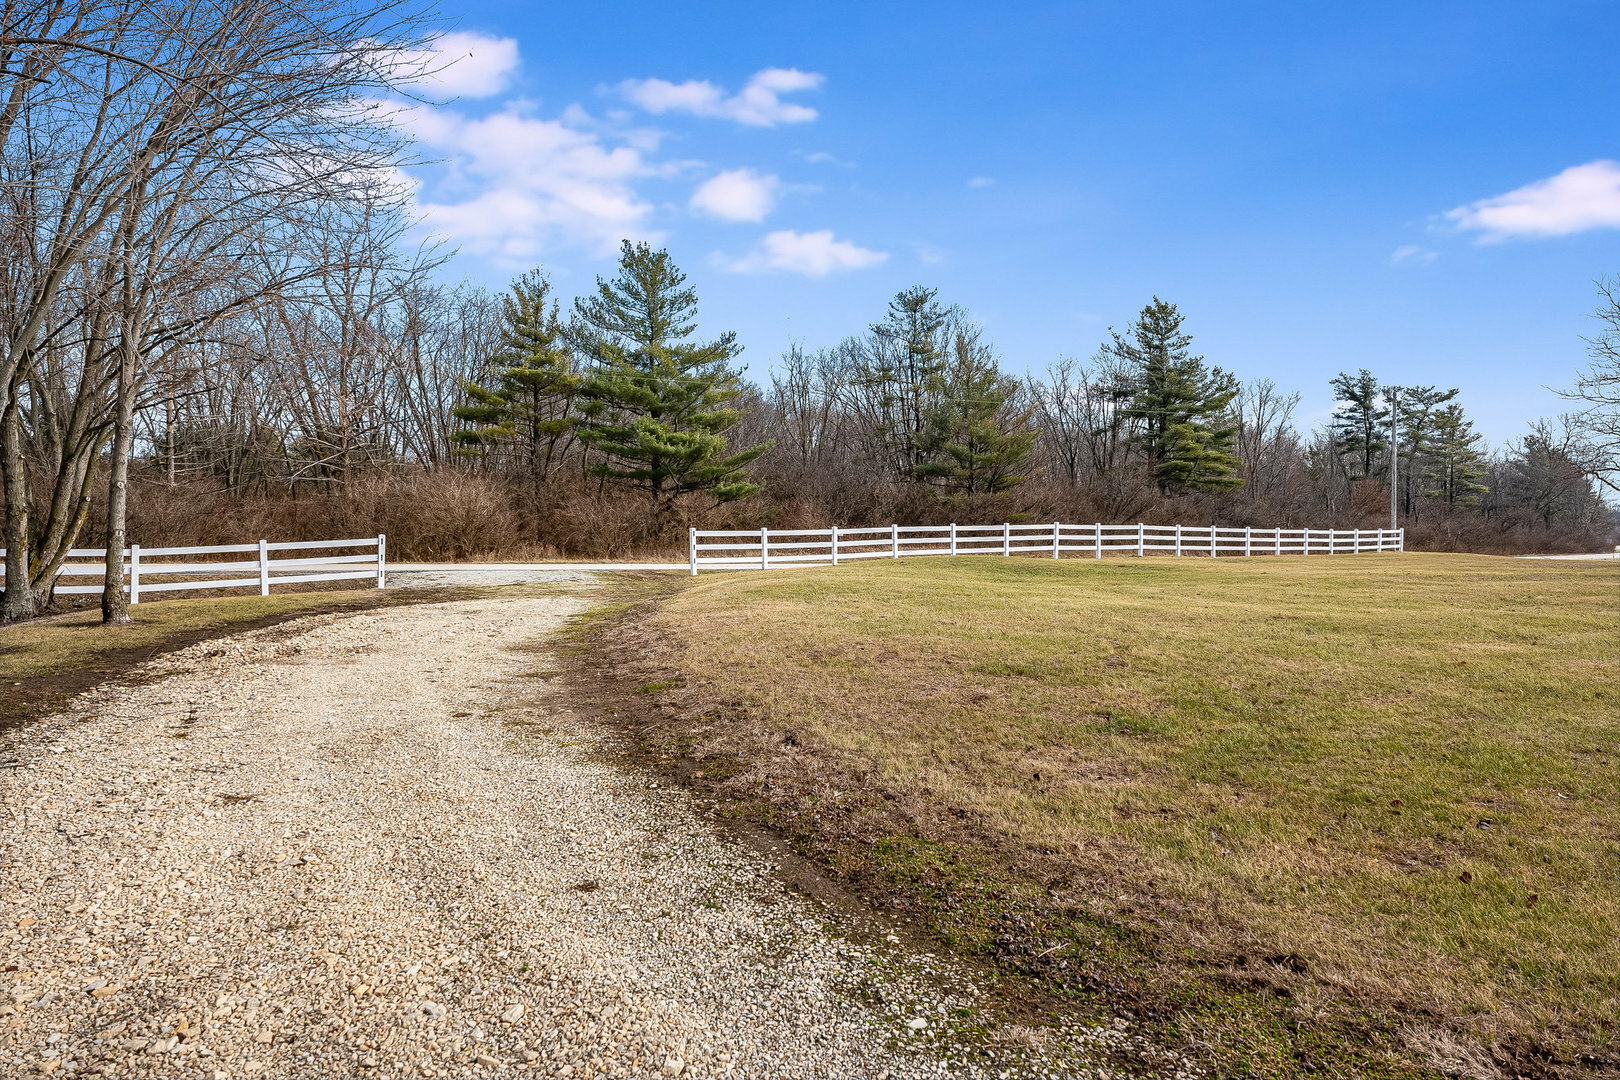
(175, 569)
(738, 549)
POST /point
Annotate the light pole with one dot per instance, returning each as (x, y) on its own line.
(1394, 456)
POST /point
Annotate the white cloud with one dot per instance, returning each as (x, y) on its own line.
(514, 186)
(821, 157)
(981, 181)
(1412, 253)
(736, 195)
(503, 183)
(813, 254)
(464, 65)
(758, 104)
(1580, 198)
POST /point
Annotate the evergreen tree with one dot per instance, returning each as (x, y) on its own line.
(1416, 410)
(655, 402)
(898, 376)
(1360, 421)
(1457, 459)
(527, 407)
(1178, 405)
(979, 437)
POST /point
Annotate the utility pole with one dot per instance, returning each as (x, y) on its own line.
(1394, 456)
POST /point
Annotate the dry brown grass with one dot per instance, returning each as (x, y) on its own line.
(1402, 770)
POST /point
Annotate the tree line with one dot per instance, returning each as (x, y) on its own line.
(213, 319)
(615, 403)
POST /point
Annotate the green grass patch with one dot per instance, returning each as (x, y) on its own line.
(1398, 773)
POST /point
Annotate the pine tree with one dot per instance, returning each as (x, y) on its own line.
(655, 402)
(898, 376)
(1359, 422)
(1415, 415)
(978, 439)
(527, 407)
(1178, 405)
(1457, 459)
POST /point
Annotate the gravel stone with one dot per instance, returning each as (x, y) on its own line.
(352, 845)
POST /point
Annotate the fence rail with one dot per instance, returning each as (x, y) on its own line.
(174, 569)
(764, 548)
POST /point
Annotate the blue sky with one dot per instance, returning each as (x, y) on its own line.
(1427, 190)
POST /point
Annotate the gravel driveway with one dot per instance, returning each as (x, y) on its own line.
(378, 845)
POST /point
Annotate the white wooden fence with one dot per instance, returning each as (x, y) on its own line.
(176, 569)
(764, 548)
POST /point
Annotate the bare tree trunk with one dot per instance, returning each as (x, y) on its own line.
(114, 601)
(18, 600)
(169, 432)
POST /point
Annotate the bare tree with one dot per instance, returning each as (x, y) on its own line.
(1267, 444)
(330, 343)
(1540, 475)
(1078, 407)
(143, 145)
(806, 398)
(444, 338)
(1595, 426)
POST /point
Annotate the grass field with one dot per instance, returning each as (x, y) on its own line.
(1395, 776)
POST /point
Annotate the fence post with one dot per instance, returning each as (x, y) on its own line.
(264, 567)
(1355, 544)
(1057, 531)
(134, 573)
(894, 540)
(1178, 541)
(1141, 532)
(835, 545)
(1400, 538)
(1305, 545)
(382, 559)
(764, 549)
(1248, 540)
(1099, 539)
(1006, 539)
(953, 538)
(1277, 541)
(691, 548)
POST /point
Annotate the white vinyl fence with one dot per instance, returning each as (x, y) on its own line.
(764, 548)
(177, 569)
